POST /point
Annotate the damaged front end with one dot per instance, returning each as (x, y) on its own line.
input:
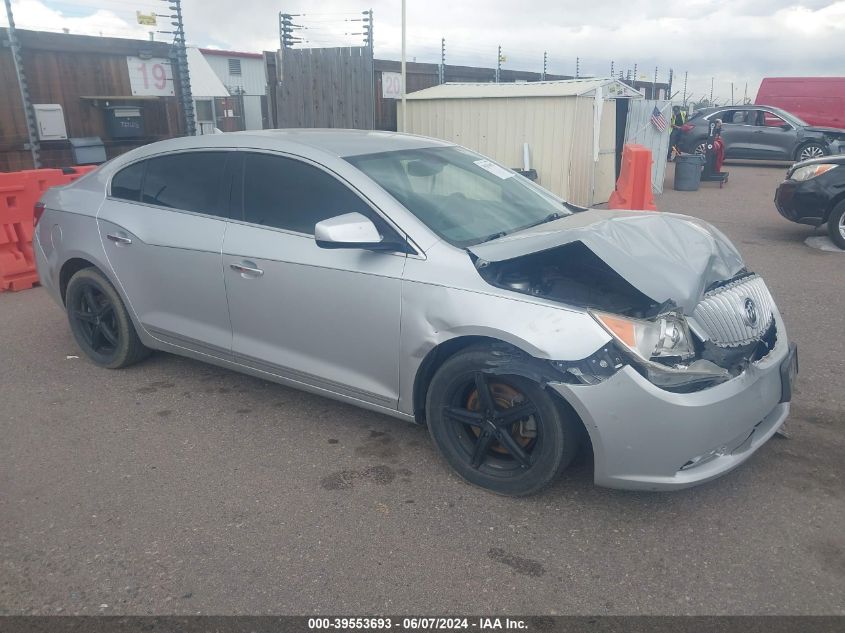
(706, 334)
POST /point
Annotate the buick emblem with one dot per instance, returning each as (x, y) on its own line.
(749, 314)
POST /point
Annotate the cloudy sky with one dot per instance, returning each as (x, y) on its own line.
(738, 41)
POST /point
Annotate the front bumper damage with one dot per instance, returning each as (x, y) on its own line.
(805, 202)
(657, 425)
(646, 438)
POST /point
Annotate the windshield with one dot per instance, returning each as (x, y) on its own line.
(463, 197)
(796, 121)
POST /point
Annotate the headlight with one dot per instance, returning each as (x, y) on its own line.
(667, 336)
(811, 171)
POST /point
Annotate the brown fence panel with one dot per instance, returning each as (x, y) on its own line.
(325, 87)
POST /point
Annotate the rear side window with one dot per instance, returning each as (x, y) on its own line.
(288, 194)
(126, 183)
(190, 181)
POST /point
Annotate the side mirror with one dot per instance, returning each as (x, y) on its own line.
(785, 127)
(353, 230)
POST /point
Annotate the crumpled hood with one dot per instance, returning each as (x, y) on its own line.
(830, 131)
(664, 255)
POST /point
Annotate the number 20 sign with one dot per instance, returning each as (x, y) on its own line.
(150, 77)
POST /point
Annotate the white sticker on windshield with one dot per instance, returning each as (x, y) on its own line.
(494, 169)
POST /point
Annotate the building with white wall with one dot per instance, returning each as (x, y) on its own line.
(244, 78)
(229, 90)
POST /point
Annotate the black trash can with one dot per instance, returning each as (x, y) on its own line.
(688, 172)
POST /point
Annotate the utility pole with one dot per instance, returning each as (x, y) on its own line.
(545, 65)
(611, 68)
(686, 76)
(286, 39)
(671, 77)
(732, 93)
(577, 67)
(635, 75)
(28, 111)
(498, 63)
(368, 41)
(404, 72)
(711, 91)
(442, 70)
(179, 57)
(654, 85)
(368, 29)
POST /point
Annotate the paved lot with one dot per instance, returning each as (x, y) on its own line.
(176, 487)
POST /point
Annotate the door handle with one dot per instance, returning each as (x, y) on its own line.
(247, 270)
(119, 239)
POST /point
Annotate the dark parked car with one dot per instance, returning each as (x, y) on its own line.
(761, 132)
(814, 193)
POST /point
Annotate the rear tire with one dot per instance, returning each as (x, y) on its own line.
(501, 451)
(836, 225)
(100, 323)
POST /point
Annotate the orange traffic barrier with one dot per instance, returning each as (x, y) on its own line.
(19, 191)
(633, 189)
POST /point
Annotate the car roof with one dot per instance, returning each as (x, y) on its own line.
(748, 106)
(305, 141)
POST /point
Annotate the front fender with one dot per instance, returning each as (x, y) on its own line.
(433, 315)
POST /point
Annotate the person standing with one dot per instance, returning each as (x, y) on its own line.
(679, 117)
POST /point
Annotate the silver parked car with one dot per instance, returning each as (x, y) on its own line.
(415, 278)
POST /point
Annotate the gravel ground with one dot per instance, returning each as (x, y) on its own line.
(175, 487)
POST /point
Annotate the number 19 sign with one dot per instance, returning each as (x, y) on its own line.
(150, 77)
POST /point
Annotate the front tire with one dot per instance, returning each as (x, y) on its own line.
(810, 150)
(498, 430)
(836, 225)
(100, 323)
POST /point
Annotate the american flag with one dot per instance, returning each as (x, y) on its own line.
(658, 120)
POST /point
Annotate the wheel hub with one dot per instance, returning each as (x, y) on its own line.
(505, 397)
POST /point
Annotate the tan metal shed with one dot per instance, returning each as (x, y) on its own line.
(571, 128)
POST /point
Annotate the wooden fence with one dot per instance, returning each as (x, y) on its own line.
(325, 87)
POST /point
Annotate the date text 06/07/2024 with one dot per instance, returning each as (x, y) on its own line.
(416, 623)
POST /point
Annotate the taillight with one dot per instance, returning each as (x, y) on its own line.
(37, 212)
(686, 127)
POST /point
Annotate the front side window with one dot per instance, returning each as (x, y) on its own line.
(190, 181)
(773, 120)
(126, 183)
(463, 197)
(288, 194)
(731, 116)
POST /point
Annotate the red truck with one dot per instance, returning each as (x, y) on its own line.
(817, 100)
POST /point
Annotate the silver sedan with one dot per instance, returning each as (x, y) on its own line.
(417, 279)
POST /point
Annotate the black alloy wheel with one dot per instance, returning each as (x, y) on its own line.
(502, 432)
(99, 321)
(94, 314)
(499, 429)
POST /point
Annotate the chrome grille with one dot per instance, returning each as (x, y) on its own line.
(723, 312)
